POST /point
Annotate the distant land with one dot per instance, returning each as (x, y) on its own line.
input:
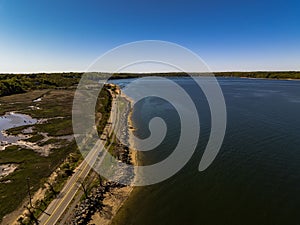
(256, 74)
(21, 83)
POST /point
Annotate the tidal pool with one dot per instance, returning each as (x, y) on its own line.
(12, 120)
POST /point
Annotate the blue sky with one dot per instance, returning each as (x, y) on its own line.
(243, 35)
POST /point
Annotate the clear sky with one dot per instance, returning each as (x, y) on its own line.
(229, 35)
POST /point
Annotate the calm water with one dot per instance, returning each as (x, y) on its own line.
(255, 178)
(12, 120)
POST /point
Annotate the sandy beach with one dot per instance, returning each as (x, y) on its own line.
(115, 199)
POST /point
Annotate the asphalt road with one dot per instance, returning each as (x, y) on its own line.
(58, 206)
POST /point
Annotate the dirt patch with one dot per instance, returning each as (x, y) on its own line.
(112, 202)
(6, 169)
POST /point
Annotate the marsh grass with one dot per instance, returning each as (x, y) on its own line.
(55, 110)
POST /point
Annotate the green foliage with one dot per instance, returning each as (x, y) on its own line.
(35, 138)
(257, 74)
(103, 107)
(11, 85)
(20, 83)
(56, 127)
(261, 74)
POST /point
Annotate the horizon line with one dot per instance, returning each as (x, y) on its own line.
(153, 72)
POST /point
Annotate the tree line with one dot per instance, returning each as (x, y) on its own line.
(20, 83)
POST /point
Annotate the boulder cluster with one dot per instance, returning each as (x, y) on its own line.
(92, 204)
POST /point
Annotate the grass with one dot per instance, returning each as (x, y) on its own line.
(31, 165)
(70, 164)
(16, 130)
(56, 127)
(54, 141)
(35, 138)
(19, 102)
(56, 105)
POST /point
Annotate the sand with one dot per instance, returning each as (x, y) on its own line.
(115, 199)
(6, 169)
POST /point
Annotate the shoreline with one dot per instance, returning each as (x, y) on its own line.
(116, 198)
(133, 152)
(262, 78)
(130, 129)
